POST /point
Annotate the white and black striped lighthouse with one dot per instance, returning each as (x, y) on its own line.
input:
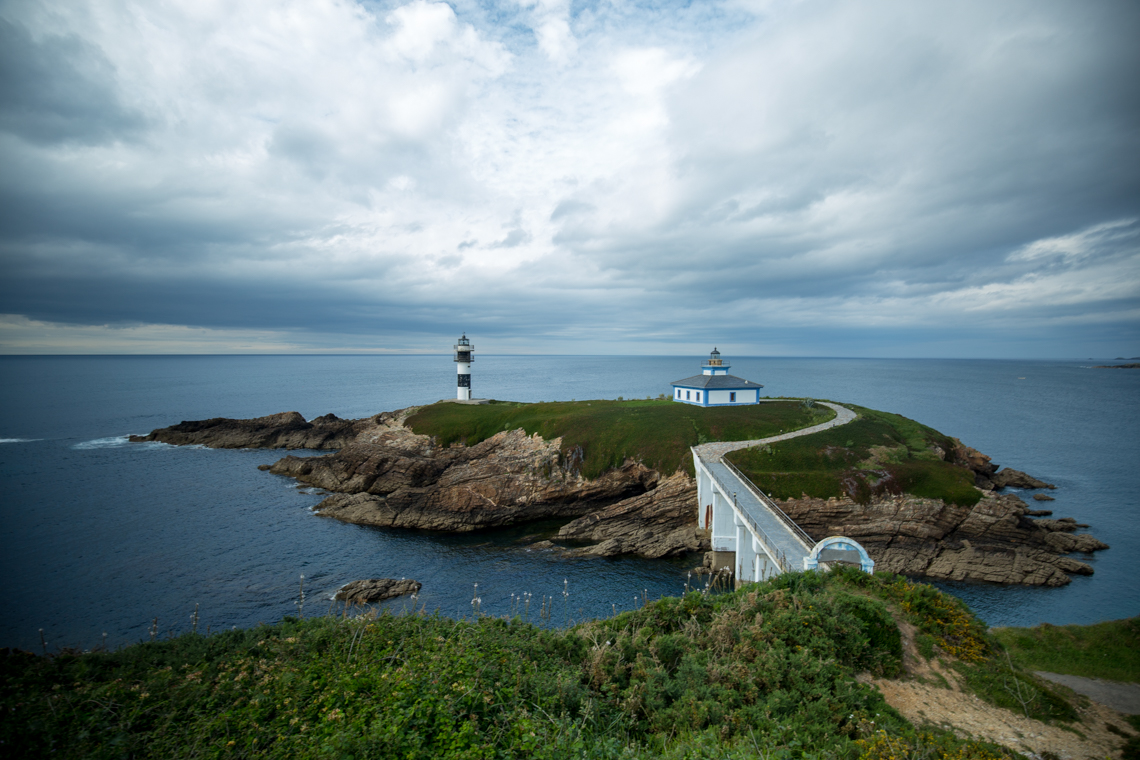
(464, 355)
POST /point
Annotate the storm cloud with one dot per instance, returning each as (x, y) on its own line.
(819, 178)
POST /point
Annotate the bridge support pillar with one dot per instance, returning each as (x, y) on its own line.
(746, 554)
(765, 567)
(704, 496)
(723, 529)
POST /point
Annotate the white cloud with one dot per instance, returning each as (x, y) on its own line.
(1099, 238)
(550, 21)
(616, 169)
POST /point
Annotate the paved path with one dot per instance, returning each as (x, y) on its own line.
(714, 451)
(1122, 697)
(782, 535)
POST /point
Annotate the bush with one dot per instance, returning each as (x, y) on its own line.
(769, 666)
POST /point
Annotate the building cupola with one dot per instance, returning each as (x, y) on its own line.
(715, 365)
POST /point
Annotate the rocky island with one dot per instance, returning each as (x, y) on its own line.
(620, 475)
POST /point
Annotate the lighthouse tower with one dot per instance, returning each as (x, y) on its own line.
(464, 355)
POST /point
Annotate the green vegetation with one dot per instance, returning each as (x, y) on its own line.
(1105, 650)
(879, 453)
(601, 435)
(767, 671)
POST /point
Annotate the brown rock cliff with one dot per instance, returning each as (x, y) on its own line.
(992, 541)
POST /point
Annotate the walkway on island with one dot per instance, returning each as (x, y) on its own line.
(784, 542)
(713, 451)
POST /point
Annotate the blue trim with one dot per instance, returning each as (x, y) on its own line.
(738, 403)
(729, 388)
(707, 404)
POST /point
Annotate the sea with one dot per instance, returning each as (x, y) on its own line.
(106, 542)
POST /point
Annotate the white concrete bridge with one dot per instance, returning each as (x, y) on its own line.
(750, 533)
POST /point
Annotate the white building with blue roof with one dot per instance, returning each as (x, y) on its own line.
(715, 387)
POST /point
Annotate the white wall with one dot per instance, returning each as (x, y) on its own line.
(742, 397)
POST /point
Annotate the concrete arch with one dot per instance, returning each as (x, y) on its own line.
(839, 543)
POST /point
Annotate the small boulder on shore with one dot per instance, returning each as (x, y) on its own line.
(1017, 479)
(376, 590)
(1042, 497)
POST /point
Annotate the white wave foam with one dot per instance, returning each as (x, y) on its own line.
(104, 443)
(19, 440)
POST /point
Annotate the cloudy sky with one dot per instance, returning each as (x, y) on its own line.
(777, 178)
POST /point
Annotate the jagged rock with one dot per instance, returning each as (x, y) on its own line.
(992, 541)
(402, 480)
(1065, 542)
(1066, 524)
(1038, 512)
(1043, 497)
(659, 523)
(986, 474)
(287, 430)
(376, 590)
(1017, 479)
(973, 459)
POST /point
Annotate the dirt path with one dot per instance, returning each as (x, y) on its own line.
(969, 717)
(931, 694)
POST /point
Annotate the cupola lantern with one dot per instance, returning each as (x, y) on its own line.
(715, 365)
(464, 355)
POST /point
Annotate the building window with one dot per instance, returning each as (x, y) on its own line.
(686, 395)
(732, 397)
(698, 396)
(678, 393)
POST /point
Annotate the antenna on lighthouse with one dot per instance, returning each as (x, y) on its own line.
(464, 355)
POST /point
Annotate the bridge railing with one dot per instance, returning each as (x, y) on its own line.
(773, 553)
(796, 530)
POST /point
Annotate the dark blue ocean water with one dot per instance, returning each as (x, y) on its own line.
(103, 536)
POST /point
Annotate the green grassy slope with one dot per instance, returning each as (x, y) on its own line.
(877, 453)
(1108, 650)
(657, 432)
(765, 671)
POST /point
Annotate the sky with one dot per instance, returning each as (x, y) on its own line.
(794, 178)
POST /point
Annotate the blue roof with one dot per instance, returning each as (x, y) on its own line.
(717, 382)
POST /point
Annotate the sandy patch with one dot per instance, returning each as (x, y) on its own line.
(969, 717)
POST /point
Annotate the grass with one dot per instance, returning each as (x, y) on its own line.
(766, 671)
(1109, 650)
(600, 435)
(879, 453)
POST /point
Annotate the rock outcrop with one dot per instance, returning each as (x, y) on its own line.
(658, 523)
(994, 540)
(1017, 479)
(986, 474)
(376, 590)
(391, 477)
(287, 430)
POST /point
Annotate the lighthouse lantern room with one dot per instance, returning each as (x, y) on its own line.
(464, 355)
